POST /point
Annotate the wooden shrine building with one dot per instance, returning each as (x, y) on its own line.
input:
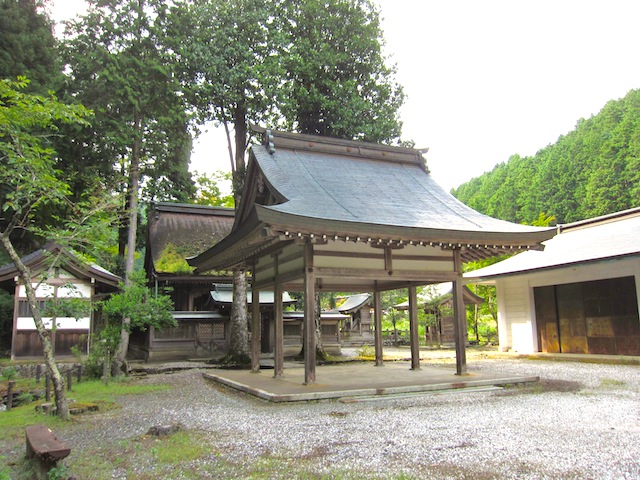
(324, 214)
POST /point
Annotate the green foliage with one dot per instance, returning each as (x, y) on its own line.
(139, 303)
(9, 373)
(336, 82)
(27, 45)
(483, 320)
(180, 447)
(28, 177)
(312, 66)
(209, 192)
(59, 472)
(172, 261)
(117, 64)
(101, 354)
(5, 473)
(13, 422)
(6, 320)
(366, 352)
(591, 171)
(67, 307)
(24, 398)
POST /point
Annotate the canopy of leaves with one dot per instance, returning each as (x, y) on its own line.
(140, 304)
(591, 171)
(311, 66)
(117, 64)
(209, 192)
(28, 177)
(336, 81)
(27, 45)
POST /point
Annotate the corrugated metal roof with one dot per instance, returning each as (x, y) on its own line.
(581, 242)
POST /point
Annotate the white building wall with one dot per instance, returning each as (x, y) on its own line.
(62, 323)
(516, 309)
(71, 287)
(514, 315)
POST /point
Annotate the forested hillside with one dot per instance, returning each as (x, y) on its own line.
(591, 171)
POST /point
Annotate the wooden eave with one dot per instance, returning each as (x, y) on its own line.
(474, 245)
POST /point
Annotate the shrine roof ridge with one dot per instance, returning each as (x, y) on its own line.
(274, 139)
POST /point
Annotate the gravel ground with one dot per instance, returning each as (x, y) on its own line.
(582, 421)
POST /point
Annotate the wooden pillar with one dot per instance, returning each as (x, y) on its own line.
(256, 326)
(460, 317)
(278, 349)
(413, 328)
(309, 317)
(377, 319)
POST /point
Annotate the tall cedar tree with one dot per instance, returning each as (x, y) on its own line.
(336, 82)
(27, 45)
(312, 66)
(119, 66)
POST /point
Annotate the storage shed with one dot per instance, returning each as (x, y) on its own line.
(580, 295)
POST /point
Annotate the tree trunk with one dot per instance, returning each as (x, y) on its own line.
(120, 358)
(62, 405)
(239, 323)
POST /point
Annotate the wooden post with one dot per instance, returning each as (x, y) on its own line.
(10, 395)
(256, 326)
(278, 349)
(38, 372)
(79, 372)
(69, 379)
(413, 328)
(309, 317)
(460, 318)
(377, 319)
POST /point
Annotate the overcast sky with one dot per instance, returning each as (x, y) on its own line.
(488, 79)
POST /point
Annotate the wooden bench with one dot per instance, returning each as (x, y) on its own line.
(43, 445)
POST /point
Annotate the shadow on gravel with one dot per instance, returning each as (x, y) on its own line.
(542, 386)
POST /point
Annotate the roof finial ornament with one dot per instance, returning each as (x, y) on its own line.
(268, 141)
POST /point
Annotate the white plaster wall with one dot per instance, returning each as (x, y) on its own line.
(64, 291)
(27, 323)
(514, 320)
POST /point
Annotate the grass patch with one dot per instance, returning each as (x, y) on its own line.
(611, 383)
(180, 447)
(13, 422)
(94, 391)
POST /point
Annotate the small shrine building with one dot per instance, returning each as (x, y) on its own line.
(325, 214)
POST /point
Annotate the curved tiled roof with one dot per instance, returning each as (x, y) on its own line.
(326, 186)
(303, 186)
